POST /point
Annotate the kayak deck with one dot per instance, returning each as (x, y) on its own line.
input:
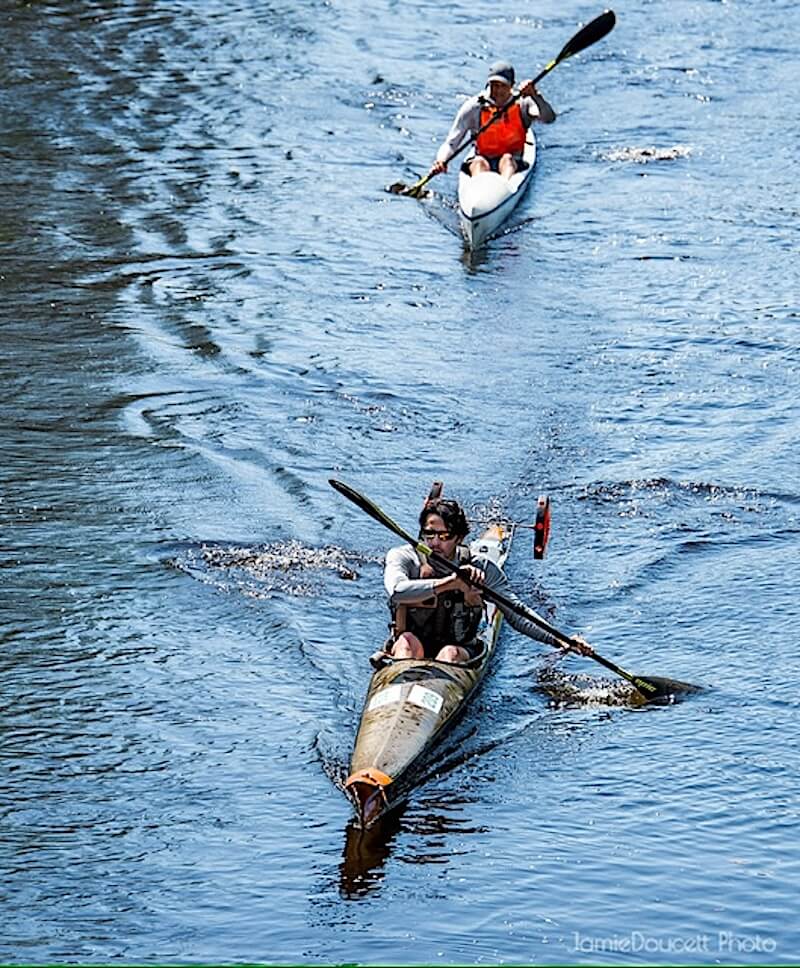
(486, 200)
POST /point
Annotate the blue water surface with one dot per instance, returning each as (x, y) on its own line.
(211, 305)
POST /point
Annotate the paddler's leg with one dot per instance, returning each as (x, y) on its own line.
(452, 653)
(507, 165)
(479, 164)
(408, 646)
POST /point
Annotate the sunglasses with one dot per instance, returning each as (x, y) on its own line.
(441, 535)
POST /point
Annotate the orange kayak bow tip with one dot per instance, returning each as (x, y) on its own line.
(367, 790)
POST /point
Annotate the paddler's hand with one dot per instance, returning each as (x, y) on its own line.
(581, 646)
(470, 579)
(528, 89)
(473, 597)
(437, 168)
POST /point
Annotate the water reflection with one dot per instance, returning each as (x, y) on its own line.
(429, 822)
(478, 260)
(474, 260)
(365, 855)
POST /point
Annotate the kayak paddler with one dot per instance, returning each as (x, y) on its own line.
(436, 614)
(499, 148)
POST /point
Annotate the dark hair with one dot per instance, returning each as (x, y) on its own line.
(450, 512)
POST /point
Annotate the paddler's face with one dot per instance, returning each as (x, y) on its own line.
(499, 92)
(436, 535)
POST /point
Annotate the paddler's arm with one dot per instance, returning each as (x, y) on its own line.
(495, 580)
(466, 123)
(534, 106)
(404, 587)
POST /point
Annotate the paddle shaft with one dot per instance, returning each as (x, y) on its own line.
(647, 688)
(524, 612)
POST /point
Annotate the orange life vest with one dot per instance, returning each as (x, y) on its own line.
(507, 134)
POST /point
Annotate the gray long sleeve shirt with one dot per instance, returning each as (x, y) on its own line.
(405, 587)
(468, 120)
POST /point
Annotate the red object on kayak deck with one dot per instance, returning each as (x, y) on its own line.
(435, 493)
(541, 532)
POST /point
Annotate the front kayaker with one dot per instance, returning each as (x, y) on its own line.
(436, 614)
(499, 148)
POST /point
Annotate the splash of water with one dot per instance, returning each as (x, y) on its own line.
(645, 155)
(579, 689)
(283, 566)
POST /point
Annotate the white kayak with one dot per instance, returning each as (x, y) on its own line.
(486, 200)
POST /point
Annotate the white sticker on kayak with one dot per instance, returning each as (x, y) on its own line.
(386, 696)
(426, 698)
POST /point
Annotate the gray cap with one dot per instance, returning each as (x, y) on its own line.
(501, 71)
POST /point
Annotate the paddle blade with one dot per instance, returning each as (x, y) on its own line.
(662, 690)
(418, 190)
(371, 509)
(578, 689)
(410, 191)
(434, 493)
(593, 31)
(651, 688)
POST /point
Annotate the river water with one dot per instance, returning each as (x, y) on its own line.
(210, 306)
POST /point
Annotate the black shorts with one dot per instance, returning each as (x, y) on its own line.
(494, 163)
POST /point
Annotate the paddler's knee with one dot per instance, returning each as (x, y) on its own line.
(478, 165)
(452, 653)
(408, 646)
(507, 165)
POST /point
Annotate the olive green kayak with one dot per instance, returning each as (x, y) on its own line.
(411, 703)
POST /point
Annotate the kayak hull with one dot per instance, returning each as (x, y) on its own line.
(486, 200)
(411, 703)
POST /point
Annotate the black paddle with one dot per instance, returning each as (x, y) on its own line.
(593, 31)
(651, 687)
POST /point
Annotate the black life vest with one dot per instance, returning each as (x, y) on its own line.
(448, 620)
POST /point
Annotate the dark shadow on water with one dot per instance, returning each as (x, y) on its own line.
(365, 854)
(416, 831)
